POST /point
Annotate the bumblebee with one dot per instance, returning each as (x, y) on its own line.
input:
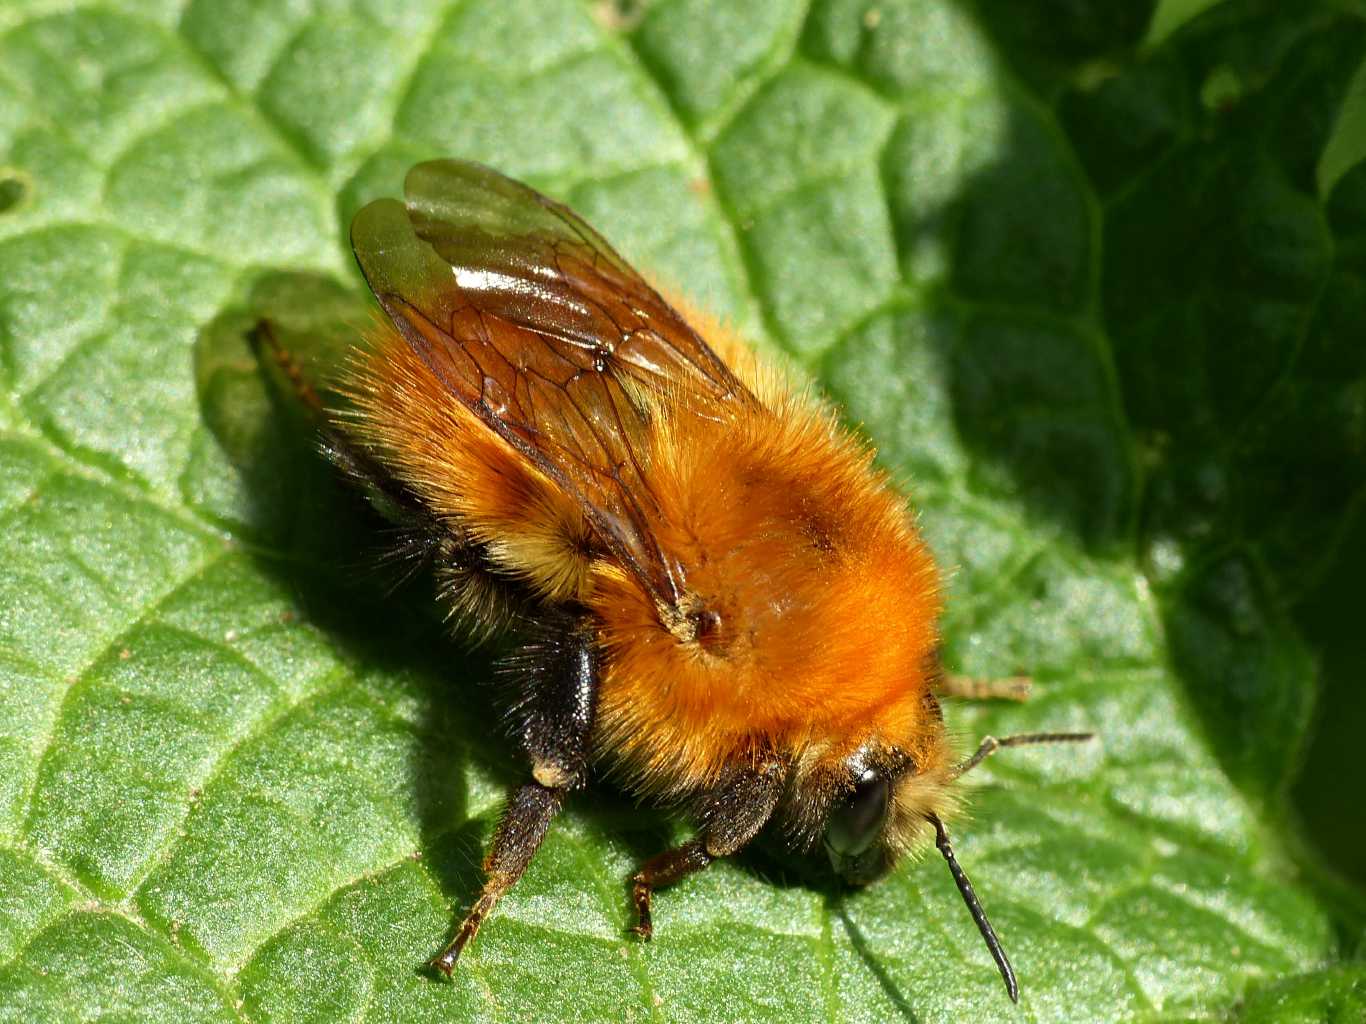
(720, 600)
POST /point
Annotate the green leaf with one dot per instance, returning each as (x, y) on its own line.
(1334, 995)
(1091, 274)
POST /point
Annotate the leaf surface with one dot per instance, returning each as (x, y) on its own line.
(1090, 274)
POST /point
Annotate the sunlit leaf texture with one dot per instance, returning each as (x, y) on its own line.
(1091, 273)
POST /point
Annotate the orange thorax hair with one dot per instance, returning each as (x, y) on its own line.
(825, 603)
(821, 599)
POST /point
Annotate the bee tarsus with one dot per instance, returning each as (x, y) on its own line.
(664, 869)
(1012, 688)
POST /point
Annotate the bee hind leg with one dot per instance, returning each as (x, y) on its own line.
(558, 669)
(390, 498)
(731, 814)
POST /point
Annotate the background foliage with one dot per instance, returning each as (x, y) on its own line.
(1091, 273)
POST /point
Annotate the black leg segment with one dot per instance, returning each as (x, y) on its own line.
(390, 498)
(665, 869)
(557, 671)
(524, 824)
(729, 817)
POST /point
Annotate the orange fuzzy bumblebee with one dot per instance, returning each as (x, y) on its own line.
(721, 599)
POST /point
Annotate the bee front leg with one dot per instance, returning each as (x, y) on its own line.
(558, 669)
(1015, 688)
(731, 815)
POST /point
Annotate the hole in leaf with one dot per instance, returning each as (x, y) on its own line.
(14, 188)
(1222, 90)
(618, 15)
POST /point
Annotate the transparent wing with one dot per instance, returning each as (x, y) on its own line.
(531, 320)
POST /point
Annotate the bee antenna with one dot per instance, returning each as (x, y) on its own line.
(990, 744)
(979, 916)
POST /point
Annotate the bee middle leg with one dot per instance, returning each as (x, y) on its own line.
(731, 815)
(559, 668)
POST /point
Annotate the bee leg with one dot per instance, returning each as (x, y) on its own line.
(731, 814)
(665, 869)
(523, 826)
(264, 334)
(387, 496)
(1016, 688)
(559, 665)
(990, 744)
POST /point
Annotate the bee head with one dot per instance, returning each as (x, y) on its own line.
(881, 807)
(890, 800)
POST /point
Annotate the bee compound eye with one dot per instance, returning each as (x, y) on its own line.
(854, 824)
